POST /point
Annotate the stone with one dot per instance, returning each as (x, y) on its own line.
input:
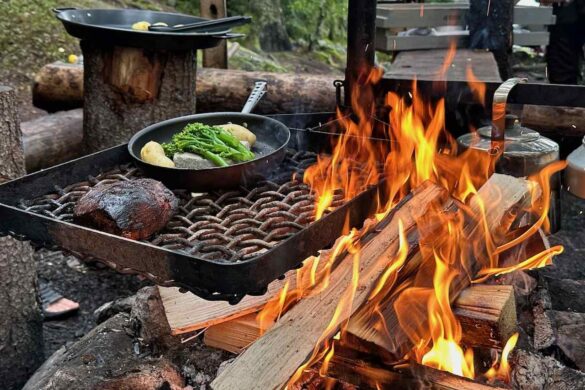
(570, 335)
(567, 294)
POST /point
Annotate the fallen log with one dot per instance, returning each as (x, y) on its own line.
(487, 314)
(501, 196)
(272, 360)
(52, 139)
(556, 121)
(58, 86)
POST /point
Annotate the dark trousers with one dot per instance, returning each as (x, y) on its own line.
(565, 52)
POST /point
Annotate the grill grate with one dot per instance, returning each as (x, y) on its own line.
(225, 225)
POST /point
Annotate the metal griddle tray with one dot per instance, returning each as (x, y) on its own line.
(211, 279)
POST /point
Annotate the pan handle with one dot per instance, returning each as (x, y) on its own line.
(58, 10)
(255, 96)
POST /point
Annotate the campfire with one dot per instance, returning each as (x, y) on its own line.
(381, 305)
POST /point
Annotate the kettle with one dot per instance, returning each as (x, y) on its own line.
(523, 151)
(575, 172)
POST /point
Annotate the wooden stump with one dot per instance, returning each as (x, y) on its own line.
(21, 326)
(127, 89)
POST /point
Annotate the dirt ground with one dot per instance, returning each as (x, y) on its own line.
(91, 285)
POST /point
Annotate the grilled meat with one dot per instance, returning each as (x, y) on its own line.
(134, 209)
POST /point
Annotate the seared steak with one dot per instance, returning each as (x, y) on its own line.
(133, 209)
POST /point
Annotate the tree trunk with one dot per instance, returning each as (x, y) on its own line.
(21, 326)
(127, 89)
(272, 34)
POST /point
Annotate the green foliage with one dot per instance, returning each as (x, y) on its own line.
(313, 20)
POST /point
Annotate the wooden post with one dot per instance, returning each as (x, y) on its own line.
(127, 89)
(216, 57)
(21, 326)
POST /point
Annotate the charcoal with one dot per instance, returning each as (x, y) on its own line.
(134, 209)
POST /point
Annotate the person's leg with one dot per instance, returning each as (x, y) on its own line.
(564, 53)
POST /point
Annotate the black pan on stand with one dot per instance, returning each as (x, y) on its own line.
(272, 138)
(114, 26)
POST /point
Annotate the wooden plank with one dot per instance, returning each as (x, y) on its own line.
(215, 57)
(487, 314)
(235, 335)
(433, 15)
(272, 360)
(388, 42)
(187, 312)
(501, 195)
(428, 64)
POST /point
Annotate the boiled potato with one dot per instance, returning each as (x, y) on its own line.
(142, 26)
(240, 132)
(153, 153)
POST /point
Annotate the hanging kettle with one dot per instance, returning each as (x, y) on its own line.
(523, 151)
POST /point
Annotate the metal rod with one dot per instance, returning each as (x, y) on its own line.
(361, 32)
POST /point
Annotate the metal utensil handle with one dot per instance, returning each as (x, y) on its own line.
(58, 10)
(231, 21)
(255, 96)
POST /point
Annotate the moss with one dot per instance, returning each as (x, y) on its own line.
(246, 59)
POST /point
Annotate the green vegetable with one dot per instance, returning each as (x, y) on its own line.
(210, 142)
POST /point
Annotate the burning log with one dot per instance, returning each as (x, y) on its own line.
(502, 196)
(350, 367)
(487, 314)
(59, 86)
(274, 358)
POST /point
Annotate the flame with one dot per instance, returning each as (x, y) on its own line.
(419, 149)
(446, 354)
(502, 370)
(477, 87)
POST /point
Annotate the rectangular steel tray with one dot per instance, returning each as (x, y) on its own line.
(210, 279)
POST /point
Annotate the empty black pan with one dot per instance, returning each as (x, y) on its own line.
(272, 138)
(114, 27)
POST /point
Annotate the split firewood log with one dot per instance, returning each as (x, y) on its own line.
(134, 209)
